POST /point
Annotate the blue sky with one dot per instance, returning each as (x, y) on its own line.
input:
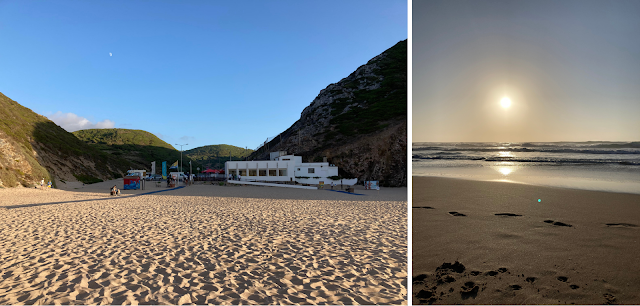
(196, 72)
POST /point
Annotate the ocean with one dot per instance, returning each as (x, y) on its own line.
(592, 165)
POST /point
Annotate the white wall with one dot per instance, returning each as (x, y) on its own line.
(232, 167)
(293, 165)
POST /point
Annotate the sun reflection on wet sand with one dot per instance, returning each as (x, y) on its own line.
(505, 171)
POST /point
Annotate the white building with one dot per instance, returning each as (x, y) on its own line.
(285, 168)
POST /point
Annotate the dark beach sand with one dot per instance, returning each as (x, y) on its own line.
(574, 246)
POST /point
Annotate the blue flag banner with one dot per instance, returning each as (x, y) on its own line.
(164, 170)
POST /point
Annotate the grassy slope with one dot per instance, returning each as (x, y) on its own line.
(214, 156)
(23, 127)
(121, 137)
(137, 146)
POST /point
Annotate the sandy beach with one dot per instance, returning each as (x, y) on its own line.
(202, 244)
(480, 242)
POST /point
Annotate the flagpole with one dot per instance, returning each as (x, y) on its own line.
(181, 164)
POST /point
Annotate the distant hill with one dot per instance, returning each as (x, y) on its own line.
(214, 156)
(32, 147)
(359, 123)
(121, 137)
(138, 147)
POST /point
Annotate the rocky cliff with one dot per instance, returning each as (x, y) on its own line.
(359, 123)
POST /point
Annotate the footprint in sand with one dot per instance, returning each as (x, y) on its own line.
(420, 278)
(457, 214)
(530, 279)
(448, 279)
(609, 299)
(426, 296)
(621, 225)
(556, 223)
(508, 215)
(563, 278)
(455, 267)
(469, 290)
(515, 287)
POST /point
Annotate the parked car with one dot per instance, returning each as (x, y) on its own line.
(153, 177)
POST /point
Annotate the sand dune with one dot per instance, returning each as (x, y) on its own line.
(495, 243)
(177, 248)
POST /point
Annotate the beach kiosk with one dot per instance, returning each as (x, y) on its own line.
(131, 182)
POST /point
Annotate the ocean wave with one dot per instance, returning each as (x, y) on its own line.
(634, 144)
(531, 159)
(452, 157)
(536, 149)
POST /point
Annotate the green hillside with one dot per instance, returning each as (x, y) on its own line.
(138, 147)
(214, 156)
(34, 147)
(121, 137)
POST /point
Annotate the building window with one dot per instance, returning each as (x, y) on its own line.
(242, 172)
(283, 172)
(252, 172)
(262, 172)
(272, 172)
(312, 170)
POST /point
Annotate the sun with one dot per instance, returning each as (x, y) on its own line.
(505, 102)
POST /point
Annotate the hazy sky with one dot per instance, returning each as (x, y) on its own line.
(570, 68)
(197, 72)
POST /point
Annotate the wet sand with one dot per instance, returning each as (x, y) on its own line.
(494, 243)
(202, 244)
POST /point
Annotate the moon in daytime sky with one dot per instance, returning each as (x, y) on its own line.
(110, 54)
(505, 102)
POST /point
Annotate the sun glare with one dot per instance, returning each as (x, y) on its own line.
(505, 171)
(505, 102)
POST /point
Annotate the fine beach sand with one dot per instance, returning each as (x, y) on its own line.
(574, 246)
(202, 244)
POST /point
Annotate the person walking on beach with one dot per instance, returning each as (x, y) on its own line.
(42, 183)
(332, 185)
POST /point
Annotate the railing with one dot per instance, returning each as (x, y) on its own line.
(269, 139)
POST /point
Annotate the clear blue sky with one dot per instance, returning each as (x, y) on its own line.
(196, 72)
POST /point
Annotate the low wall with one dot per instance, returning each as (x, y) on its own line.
(270, 184)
